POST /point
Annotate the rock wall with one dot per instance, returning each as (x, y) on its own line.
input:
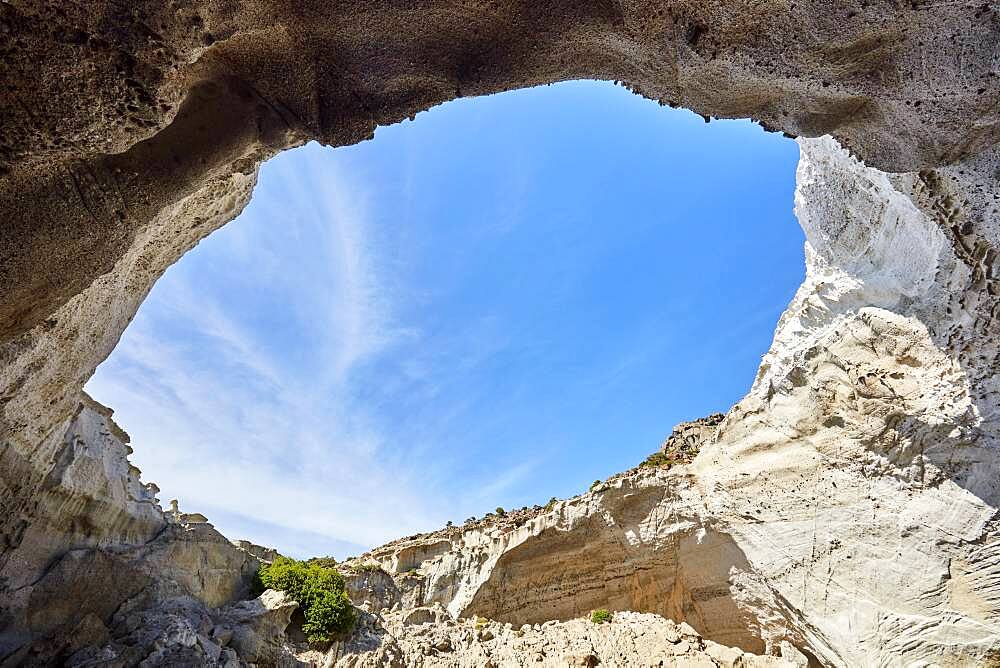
(127, 556)
(859, 473)
(854, 487)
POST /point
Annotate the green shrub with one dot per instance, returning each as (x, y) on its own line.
(319, 591)
(551, 504)
(657, 460)
(368, 567)
(325, 562)
(600, 616)
(594, 484)
(500, 511)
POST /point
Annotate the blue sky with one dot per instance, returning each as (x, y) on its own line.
(498, 302)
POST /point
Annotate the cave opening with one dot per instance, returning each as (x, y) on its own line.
(492, 304)
(857, 475)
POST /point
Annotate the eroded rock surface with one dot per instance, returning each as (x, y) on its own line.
(638, 542)
(129, 556)
(847, 506)
(183, 631)
(630, 639)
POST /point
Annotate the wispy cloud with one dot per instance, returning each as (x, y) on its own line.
(236, 379)
(473, 310)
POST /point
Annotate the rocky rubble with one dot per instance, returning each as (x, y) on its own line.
(182, 631)
(404, 639)
(687, 438)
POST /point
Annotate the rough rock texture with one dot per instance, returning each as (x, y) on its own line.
(854, 489)
(182, 631)
(859, 474)
(687, 438)
(92, 496)
(378, 589)
(181, 96)
(262, 631)
(129, 555)
(256, 628)
(630, 639)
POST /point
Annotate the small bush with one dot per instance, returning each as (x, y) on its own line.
(600, 616)
(368, 567)
(658, 460)
(500, 511)
(325, 562)
(552, 503)
(594, 484)
(319, 591)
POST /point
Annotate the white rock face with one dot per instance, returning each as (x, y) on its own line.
(127, 555)
(858, 475)
(93, 495)
(638, 542)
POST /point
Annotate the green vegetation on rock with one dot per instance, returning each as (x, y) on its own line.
(658, 460)
(319, 592)
(325, 562)
(367, 567)
(600, 616)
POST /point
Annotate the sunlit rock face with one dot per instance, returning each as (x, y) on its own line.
(845, 506)
(859, 474)
(637, 542)
(93, 496)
